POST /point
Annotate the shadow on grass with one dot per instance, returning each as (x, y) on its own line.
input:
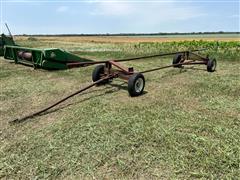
(173, 72)
(195, 68)
(181, 70)
(109, 89)
(83, 100)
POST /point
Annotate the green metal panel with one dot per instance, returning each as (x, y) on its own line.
(51, 58)
(62, 55)
(53, 65)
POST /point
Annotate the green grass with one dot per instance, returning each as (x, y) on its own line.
(185, 126)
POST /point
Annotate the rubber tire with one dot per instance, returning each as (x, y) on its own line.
(96, 74)
(176, 59)
(131, 84)
(211, 65)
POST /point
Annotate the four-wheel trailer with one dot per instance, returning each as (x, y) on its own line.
(106, 71)
(136, 80)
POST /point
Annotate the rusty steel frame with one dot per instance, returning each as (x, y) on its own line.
(120, 71)
(186, 53)
(125, 72)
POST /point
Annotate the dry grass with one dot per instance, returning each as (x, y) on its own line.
(121, 39)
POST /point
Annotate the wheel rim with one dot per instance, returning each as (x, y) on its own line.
(139, 85)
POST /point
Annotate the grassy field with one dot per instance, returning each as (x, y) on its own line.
(135, 39)
(185, 126)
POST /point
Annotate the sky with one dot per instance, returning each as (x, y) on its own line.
(119, 16)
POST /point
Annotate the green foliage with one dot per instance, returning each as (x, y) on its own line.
(221, 50)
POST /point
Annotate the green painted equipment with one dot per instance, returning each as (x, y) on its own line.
(51, 58)
(5, 40)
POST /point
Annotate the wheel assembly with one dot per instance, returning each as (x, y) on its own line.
(98, 73)
(136, 84)
(211, 65)
(176, 60)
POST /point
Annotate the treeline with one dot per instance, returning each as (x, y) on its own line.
(135, 34)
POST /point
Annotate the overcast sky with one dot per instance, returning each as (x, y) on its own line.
(143, 16)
